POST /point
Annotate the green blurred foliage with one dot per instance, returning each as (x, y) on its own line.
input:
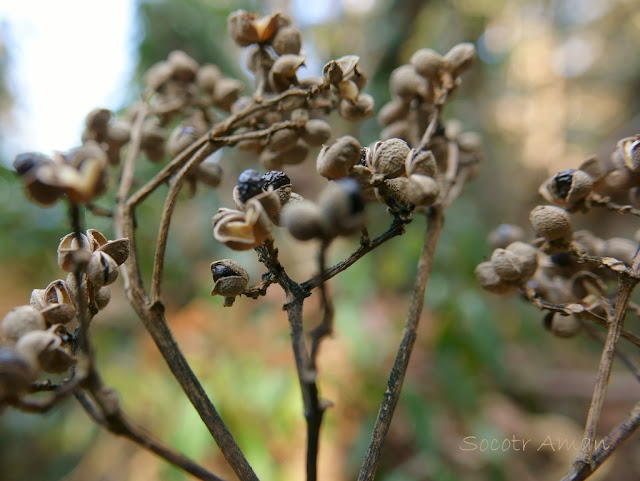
(472, 347)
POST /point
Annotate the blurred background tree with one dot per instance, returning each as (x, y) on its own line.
(555, 82)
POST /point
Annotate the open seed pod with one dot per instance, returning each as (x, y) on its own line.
(72, 253)
(58, 307)
(335, 161)
(567, 188)
(47, 348)
(420, 162)
(388, 158)
(562, 326)
(230, 279)
(242, 230)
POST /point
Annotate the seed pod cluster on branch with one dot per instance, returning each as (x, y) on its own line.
(576, 269)
(34, 337)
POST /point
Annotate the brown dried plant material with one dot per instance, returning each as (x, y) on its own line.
(335, 161)
(242, 230)
(550, 222)
(229, 277)
(21, 320)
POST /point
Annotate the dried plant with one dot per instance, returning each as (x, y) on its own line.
(419, 166)
(579, 278)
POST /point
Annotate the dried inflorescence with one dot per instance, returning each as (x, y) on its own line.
(575, 267)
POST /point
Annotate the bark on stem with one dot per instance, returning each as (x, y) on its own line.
(435, 220)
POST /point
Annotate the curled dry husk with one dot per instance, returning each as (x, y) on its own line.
(242, 230)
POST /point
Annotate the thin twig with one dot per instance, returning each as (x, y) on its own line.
(600, 201)
(396, 229)
(576, 309)
(152, 316)
(626, 285)
(325, 327)
(607, 447)
(435, 219)
(115, 421)
(313, 407)
(167, 214)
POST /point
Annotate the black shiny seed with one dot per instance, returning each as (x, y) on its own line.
(562, 259)
(220, 270)
(562, 183)
(363, 156)
(249, 184)
(276, 178)
(352, 188)
(23, 163)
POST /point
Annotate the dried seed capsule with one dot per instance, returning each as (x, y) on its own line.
(550, 222)
(181, 137)
(392, 112)
(334, 162)
(506, 264)
(209, 173)
(207, 76)
(97, 122)
(361, 109)
(405, 83)
(102, 297)
(422, 190)
(389, 158)
(242, 230)
(20, 320)
(72, 254)
(17, 372)
(420, 162)
(564, 326)
(428, 63)
(393, 191)
(230, 279)
(567, 188)
(184, 67)
(102, 270)
(283, 140)
(342, 207)
(620, 248)
(46, 347)
(158, 75)
(316, 132)
(505, 234)
(58, 305)
(491, 281)
(341, 69)
(527, 256)
(227, 91)
(287, 40)
(303, 220)
(241, 27)
(396, 130)
(461, 58)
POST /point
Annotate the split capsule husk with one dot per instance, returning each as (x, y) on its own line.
(388, 158)
(242, 230)
(229, 277)
(335, 161)
(102, 269)
(46, 347)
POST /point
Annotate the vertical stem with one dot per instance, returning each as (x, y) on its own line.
(396, 378)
